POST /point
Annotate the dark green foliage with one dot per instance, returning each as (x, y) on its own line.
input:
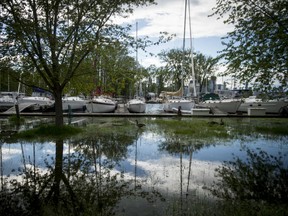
(276, 130)
(15, 120)
(53, 40)
(247, 208)
(178, 64)
(262, 178)
(257, 47)
(8, 76)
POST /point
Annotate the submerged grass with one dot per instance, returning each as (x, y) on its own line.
(16, 120)
(49, 131)
(272, 127)
(105, 127)
(196, 128)
(275, 130)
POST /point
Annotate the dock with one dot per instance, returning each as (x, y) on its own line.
(123, 112)
(131, 115)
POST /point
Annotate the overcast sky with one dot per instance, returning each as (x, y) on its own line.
(168, 15)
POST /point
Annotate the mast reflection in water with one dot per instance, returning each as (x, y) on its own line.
(119, 169)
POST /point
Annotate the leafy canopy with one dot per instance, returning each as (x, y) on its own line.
(257, 47)
(178, 63)
(57, 35)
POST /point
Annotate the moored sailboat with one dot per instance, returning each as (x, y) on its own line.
(225, 105)
(74, 103)
(101, 105)
(38, 103)
(270, 106)
(136, 105)
(174, 100)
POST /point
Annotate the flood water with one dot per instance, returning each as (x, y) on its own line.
(114, 167)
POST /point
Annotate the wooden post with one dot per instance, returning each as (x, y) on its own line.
(69, 114)
(17, 111)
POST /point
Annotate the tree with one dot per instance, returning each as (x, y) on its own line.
(109, 68)
(257, 47)
(205, 67)
(7, 77)
(260, 177)
(58, 35)
(176, 67)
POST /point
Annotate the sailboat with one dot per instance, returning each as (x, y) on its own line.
(40, 100)
(101, 104)
(270, 106)
(39, 103)
(137, 104)
(175, 101)
(75, 103)
(224, 105)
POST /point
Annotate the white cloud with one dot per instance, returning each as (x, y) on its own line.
(169, 16)
(164, 173)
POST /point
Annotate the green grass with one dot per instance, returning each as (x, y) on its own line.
(196, 128)
(15, 120)
(49, 131)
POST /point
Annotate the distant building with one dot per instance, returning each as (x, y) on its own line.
(212, 84)
(191, 88)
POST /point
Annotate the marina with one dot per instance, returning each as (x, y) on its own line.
(188, 118)
(152, 110)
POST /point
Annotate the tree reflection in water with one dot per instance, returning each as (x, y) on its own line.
(262, 177)
(182, 146)
(83, 177)
(78, 183)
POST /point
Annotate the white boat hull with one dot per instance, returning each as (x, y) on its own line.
(173, 104)
(270, 106)
(6, 104)
(136, 106)
(227, 106)
(101, 105)
(7, 100)
(39, 103)
(73, 103)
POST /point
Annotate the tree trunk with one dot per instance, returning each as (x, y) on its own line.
(58, 108)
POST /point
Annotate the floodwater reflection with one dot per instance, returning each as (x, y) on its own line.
(116, 168)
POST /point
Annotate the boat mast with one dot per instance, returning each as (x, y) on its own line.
(139, 89)
(187, 7)
(191, 47)
(136, 38)
(183, 60)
